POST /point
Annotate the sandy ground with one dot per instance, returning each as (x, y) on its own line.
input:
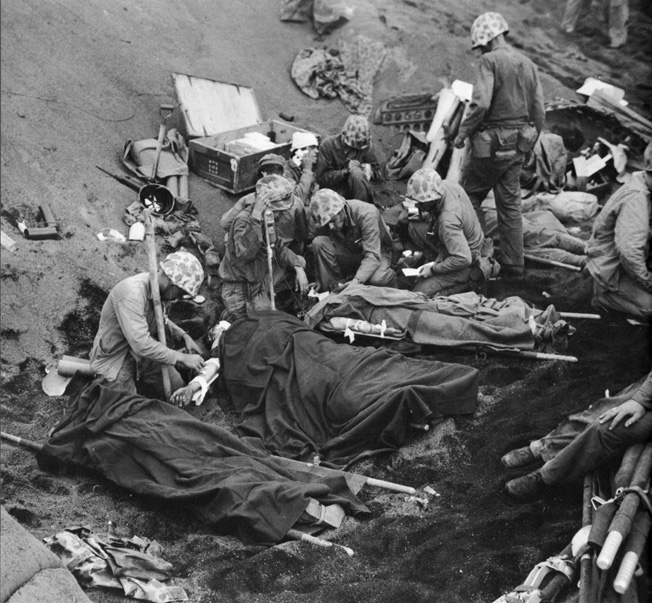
(79, 79)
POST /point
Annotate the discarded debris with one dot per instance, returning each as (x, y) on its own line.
(111, 234)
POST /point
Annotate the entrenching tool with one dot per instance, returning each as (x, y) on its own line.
(156, 296)
(164, 111)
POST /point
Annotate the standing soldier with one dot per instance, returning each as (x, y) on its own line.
(504, 119)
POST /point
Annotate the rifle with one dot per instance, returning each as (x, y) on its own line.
(128, 181)
(270, 239)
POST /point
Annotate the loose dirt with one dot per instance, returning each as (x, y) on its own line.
(82, 77)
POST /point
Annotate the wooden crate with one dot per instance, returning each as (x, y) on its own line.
(217, 113)
(210, 159)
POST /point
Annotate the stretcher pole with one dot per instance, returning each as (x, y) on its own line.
(533, 258)
(298, 535)
(586, 559)
(21, 442)
(156, 296)
(622, 521)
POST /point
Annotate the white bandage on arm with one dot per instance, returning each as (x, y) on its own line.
(208, 374)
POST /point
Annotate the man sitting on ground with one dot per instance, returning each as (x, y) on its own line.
(619, 247)
(449, 235)
(585, 441)
(244, 269)
(347, 162)
(269, 165)
(299, 168)
(125, 350)
(358, 249)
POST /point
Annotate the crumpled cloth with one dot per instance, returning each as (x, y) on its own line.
(132, 564)
(347, 72)
(139, 156)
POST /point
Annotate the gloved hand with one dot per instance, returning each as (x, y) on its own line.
(459, 142)
(368, 171)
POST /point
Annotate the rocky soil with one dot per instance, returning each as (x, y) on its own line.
(82, 77)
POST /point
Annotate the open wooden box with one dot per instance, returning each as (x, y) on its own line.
(224, 126)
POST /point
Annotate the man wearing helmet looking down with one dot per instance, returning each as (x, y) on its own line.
(503, 122)
(125, 350)
(358, 248)
(347, 162)
(448, 233)
(244, 270)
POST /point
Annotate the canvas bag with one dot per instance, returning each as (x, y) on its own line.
(407, 158)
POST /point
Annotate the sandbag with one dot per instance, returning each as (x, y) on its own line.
(407, 157)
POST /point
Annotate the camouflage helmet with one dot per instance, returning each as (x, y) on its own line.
(184, 270)
(276, 191)
(425, 185)
(355, 132)
(486, 27)
(324, 206)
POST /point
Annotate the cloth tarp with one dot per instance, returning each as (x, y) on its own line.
(155, 449)
(133, 565)
(465, 319)
(139, 156)
(347, 72)
(302, 394)
(544, 236)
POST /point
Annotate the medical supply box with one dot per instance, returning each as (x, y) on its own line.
(227, 136)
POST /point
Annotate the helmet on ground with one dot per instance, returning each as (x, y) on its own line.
(184, 270)
(425, 186)
(355, 132)
(276, 191)
(301, 140)
(324, 206)
(270, 160)
(486, 27)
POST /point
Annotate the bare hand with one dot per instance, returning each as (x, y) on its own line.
(354, 165)
(190, 344)
(308, 160)
(459, 142)
(629, 408)
(368, 171)
(182, 397)
(194, 362)
(426, 270)
(301, 280)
